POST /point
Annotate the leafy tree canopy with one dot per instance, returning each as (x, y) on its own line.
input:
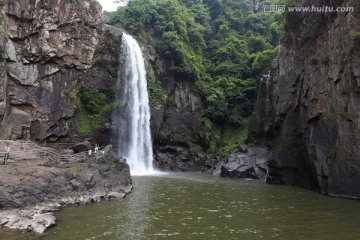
(221, 46)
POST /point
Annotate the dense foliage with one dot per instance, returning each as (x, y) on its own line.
(221, 46)
(93, 104)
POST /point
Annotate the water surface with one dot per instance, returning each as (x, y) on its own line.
(198, 206)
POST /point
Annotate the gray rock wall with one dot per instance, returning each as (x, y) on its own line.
(315, 99)
(52, 48)
(178, 147)
(180, 141)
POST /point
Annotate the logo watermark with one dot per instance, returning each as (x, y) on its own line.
(321, 9)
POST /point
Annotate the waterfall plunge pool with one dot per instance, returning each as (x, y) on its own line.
(199, 206)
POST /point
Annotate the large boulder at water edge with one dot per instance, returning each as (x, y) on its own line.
(250, 164)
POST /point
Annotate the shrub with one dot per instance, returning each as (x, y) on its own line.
(93, 105)
(355, 40)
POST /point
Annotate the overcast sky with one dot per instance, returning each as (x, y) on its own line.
(110, 5)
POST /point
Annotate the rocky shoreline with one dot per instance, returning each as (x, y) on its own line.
(38, 218)
(32, 191)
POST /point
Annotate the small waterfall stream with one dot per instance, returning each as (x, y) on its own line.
(132, 119)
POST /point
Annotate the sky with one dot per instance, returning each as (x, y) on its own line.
(111, 5)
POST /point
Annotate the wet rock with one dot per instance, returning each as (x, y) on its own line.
(242, 148)
(28, 219)
(177, 129)
(176, 158)
(30, 194)
(75, 183)
(216, 170)
(309, 109)
(252, 164)
(116, 195)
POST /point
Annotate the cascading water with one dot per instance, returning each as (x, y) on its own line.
(132, 119)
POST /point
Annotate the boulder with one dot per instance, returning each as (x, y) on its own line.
(81, 147)
(242, 148)
(252, 164)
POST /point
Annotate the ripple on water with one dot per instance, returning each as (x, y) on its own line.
(193, 206)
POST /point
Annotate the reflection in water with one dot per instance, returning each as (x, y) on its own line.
(198, 206)
(134, 214)
(8, 234)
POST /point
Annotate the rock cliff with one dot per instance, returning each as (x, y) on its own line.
(180, 140)
(311, 102)
(52, 48)
(177, 126)
(177, 139)
(32, 189)
(57, 50)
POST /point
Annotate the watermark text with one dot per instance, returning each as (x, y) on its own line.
(319, 9)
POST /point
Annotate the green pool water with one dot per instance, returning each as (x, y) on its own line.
(199, 206)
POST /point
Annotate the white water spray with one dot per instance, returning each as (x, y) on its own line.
(133, 117)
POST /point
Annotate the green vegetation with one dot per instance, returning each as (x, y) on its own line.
(93, 104)
(334, 115)
(74, 168)
(156, 93)
(355, 40)
(263, 61)
(78, 2)
(325, 60)
(300, 27)
(48, 7)
(81, 28)
(355, 4)
(230, 137)
(220, 46)
(94, 4)
(225, 138)
(314, 60)
(92, 165)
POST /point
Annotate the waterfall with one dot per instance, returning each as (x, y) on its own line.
(255, 6)
(267, 82)
(132, 119)
(266, 97)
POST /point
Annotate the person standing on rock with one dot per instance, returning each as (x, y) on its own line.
(7, 153)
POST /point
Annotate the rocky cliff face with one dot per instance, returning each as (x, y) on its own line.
(180, 140)
(313, 104)
(177, 127)
(32, 190)
(49, 51)
(177, 139)
(53, 49)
